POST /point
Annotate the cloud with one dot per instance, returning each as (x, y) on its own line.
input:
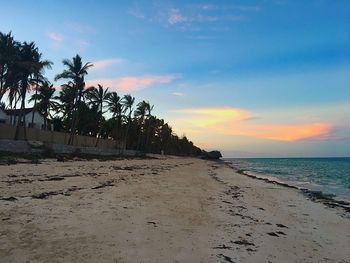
(209, 7)
(211, 116)
(205, 18)
(81, 43)
(239, 122)
(137, 13)
(180, 94)
(137, 83)
(234, 18)
(80, 28)
(134, 83)
(175, 17)
(205, 7)
(104, 63)
(56, 39)
(290, 132)
(193, 17)
(246, 7)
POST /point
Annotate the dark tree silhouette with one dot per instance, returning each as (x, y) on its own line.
(92, 112)
(75, 72)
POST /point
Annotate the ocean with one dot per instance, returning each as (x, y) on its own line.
(329, 175)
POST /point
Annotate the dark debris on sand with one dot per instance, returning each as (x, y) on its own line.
(105, 184)
(226, 258)
(10, 198)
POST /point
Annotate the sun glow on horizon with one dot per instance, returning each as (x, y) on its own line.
(210, 116)
(234, 121)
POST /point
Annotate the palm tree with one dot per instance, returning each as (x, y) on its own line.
(128, 101)
(9, 51)
(44, 100)
(26, 67)
(149, 109)
(97, 97)
(13, 97)
(166, 133)
(140, 114)
(75, 72)
(115, 106)
(78, 110)
(9, 74)
(66, 99)
(39, 78)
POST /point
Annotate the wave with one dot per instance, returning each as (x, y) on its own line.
(328, 199)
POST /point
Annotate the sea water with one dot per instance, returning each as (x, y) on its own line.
(329, 175)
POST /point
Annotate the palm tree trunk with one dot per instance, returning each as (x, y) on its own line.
(11, 101)
(36, 94)
(71, 137)
(14, 114)
(15, 119)
(148, 135)
(21, 116)
(98, 135)
(139, 140)
(2, 91)
(74, 119)
(117, 131)
(127, 131)
(45, 119)
(99, 130)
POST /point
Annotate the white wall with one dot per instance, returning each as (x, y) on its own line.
(3, 116)
(38, 120)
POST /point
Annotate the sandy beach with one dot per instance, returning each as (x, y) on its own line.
(160, 210)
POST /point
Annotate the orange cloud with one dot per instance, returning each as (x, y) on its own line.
(210, 116)
(134, 83)
(179, 94)
(101, 64)
(234, 121)
(290, 132)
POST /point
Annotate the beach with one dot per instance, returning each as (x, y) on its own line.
(160, 209)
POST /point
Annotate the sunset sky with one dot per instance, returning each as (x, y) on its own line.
(250, 78)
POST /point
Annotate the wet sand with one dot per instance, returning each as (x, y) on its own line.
(160, 210)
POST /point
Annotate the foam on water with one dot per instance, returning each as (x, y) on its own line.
(329, 175)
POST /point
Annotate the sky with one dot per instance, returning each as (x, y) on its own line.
(259, 78)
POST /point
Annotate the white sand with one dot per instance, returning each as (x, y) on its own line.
(168, 210)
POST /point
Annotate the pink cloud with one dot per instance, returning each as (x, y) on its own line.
(56, 39)
(134, 83)
(101, 64)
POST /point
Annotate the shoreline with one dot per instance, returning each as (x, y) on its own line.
(163, 209)
(328, 199)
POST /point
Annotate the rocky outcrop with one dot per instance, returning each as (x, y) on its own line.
(212, 155)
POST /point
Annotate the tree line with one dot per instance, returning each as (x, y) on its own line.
(78, 109)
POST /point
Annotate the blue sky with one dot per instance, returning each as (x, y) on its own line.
(265, 78)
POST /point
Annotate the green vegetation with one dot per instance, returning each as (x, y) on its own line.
(77, 109)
